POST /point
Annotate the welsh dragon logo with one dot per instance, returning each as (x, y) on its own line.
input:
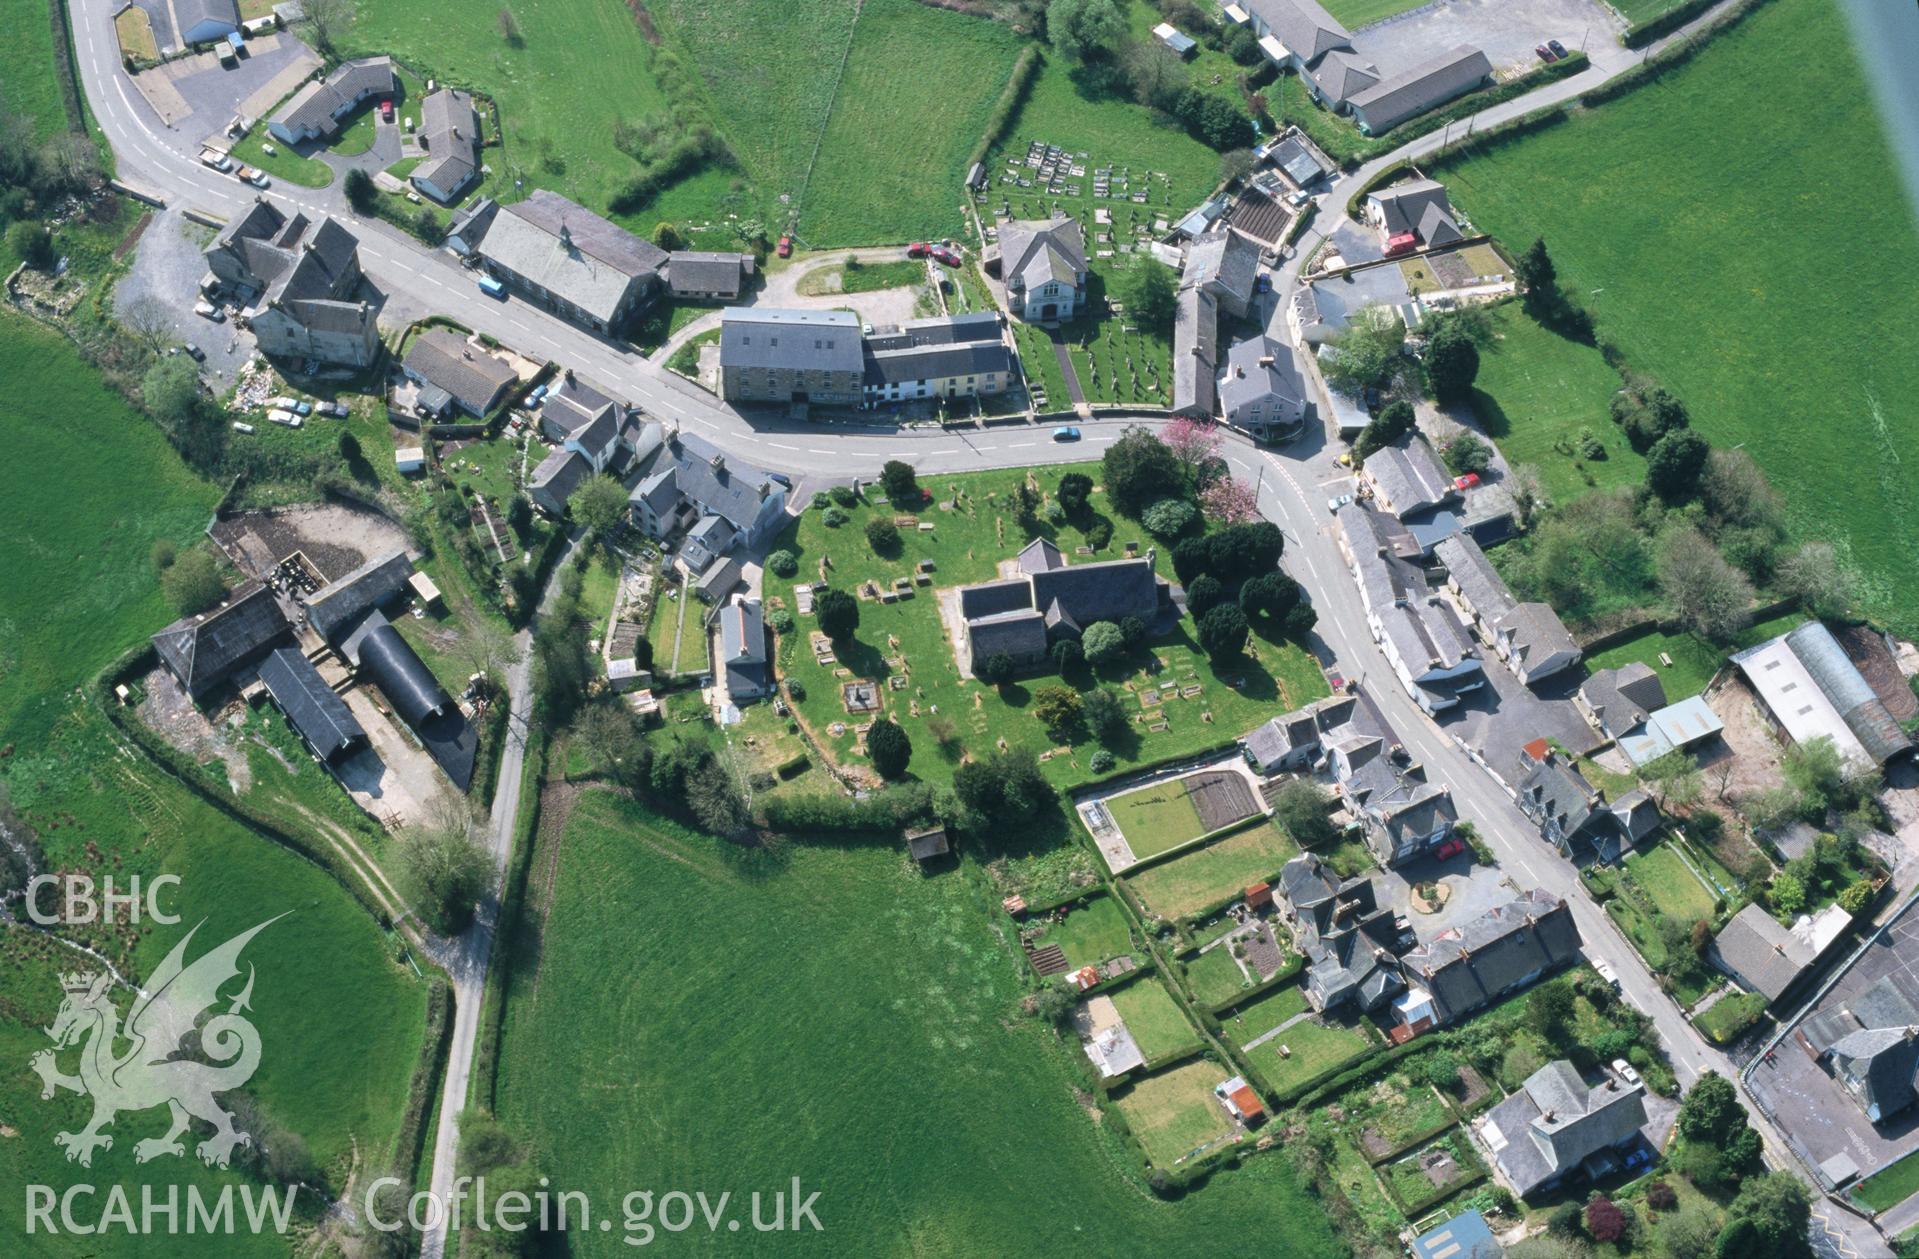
(150, 1072)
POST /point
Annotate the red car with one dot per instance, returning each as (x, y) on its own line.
(786, 247)
(386, 111)
(1448, 850)
(1466, 482)
(918, 249)
(1545, 54)
(946, 257)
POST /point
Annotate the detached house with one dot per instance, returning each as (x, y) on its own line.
(469, 375)
(314, 112)
(450, 133)
(1417, 212)
(299, 284)
(1572, 815)
(1043, 264)
(1262, 392)
(1556, 1126)
(743, 657)
(1350, 941)
(203, 21)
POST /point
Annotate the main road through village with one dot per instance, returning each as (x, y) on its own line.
(1293, 485)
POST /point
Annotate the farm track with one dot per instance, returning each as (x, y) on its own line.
(798, 211)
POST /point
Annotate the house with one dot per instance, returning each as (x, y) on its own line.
(1262, 391)
(1402, 814)
(475, 378)
(450, 133)
(1170, 36)
(1195, 353)
(1407, 476)
(206, 649)
(1385, 103)
(1350, 941)
(560, 255)
(1676, 727)
(686, 482)
(1225, 264)
(1483, 959)
(203, 21)
(791, 356)
(1465, 1236)
(707, 277)
(1870, 1045)
(1528, 636)
(468, 227)
(317, 714)
(1555, 1126)
(298, 283)
(1293, 741)
(1769, 959)
(1296, 33)
(1573, 815)
(954, 356)
(1811, 690)
(1050, 599)
(555, 479)
(927, 842)
(718, 579)
(1615, 701)
(1430, 651)
(314, 112)
(1043, 264)
(743, 658)
(1418, 208)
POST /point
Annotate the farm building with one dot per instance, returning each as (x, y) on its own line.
(791, 356)
(314, 112)
(560, 255)
(1810, 688)
(1296, 34)
(1043, 264)
(1676, 727)
(336, 606)
(318, 715)
(299, 285)
(380, 656)
(928, 842)
(707, 277)
(204, 650)
(450, 133)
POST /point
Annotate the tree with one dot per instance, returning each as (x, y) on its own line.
(609, 733)
(1787, 892)
(668, 237)
(149, 323)
(838, 613)
(1688, 1234)
(1005, 786)
(192, 583)
(1150, 291)
(1816, 771)
(1538, 279)
(1228, 501)
(1213, 119)
(1138, 470)
(1673, 779)
(1466, 452)
(900, 483)
(1306, 811)
(1105, 714)
(1102, 643)
(1710, 1112)
(1245, 550)
(1439, 1069)
(488, 647)
(1776, 1209)
(888, 748)
(1393, 422)
(1153, 72)
(163, 553)
(1604, 1220)
(1084, 29)
(1675, 465)
(1068, 655)
(361, 194)
(1168, 518)
(1452, 362)
(1816, 574)
(1647, 413)
(171, 393)
(1736, 491)
(1237, 164)
(447, 870)
(1549, 1011)
(600, 505)
(1269, 597)
(882, 535)
(1192, 441)
(1191, 557)
(996, 670)
(1368, 354)
(1205, 593)
(782, 563)
(327, 22)
(1058, 709)
(32, 244)
(509, 28)
(1222, 632)
(1075, 492)
(1709, 595)
(1133, 631)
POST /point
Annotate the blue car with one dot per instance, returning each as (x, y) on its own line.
(492, 287)
(1066, 433)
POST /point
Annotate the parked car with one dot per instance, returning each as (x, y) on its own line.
(946, 257)
(918, 249)
(287, 418)
(1066, 433)
(1450, 849)
(216, 159)
(492, 287)
(1606, 972)
(209, 312)
(1625, 1071)
(241, 426)
(338, 410)
(303, 408)
(1466, 482)
(1545, 54)
(194, 352)
(1338, 501)
(781, 478)
(1559, 49)
(284, 403)
(785, 247)
(386, 111)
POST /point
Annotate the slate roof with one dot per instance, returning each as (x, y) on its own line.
(593, 274)
(316, 105)
(312, 707)
(1195, 352)
(1408, 475)
(1534, 633)
(1250, 377)
(1344, 933)
(1761, 954)
(204, 650)
(1037, 250)
(994, 597)
(451, 128)
(476, 379)
(1877, 1065)
(1273, 741)
(1621, 698)
(188, 14)
(693, 469)
(791, 340)
(1018, 633)
(556, 477)
(1306, 29)
(1343, 75)
(1224, 260)
(1403, 206)
(702, 272)
(743, 647)
(1554, 1123)
(937, 362)
(1391, 101)
(1106, 591)
(1039, 555)
(1473, 963)
(335, 607)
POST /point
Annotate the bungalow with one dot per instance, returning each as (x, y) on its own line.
(474, 378)
(1555, 1126)
(1043, 265)
(450, 133)
(1770, 959)
(314, 112)
(1417, 211)
(1388, 102)
(1296, 34)
(707, 277)
(1262, 391)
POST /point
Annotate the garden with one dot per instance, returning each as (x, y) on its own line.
(1158, 1025)
(1087, 933)
(1174, 1115)
(1206, 877)
(1213, 977)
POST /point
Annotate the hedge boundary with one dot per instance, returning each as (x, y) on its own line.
(409, 1143)
(1011, 98)
(484, 1084)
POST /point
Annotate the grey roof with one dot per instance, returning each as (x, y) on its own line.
(450, 126)
(1403, 206)
(1877, 1065)
(1019, 633)
(979, 325)
(570, 251)
(937, 362)
(557, 476)
(994, 597)
(1850, 693)
(1106, 591)
(1760, 953)
(316, 106)
(1476, 962)
(1409, 476)
(713, 532)
(1274, 741)
(564, 415)
(334, 607)
(1554, 1123)
(1343, 75)
(791, 340)
(1195, 352)
(312, 707)
(290, 260)
(743, 647)
(694, 470)
(1888, 1002)
(476, 379)
(719, 578)
(1039, 555)
(1398, 801)
(601, 429)
(1565, 806)
(1431, 83)
(1624, 697)
(1225, 261)
(1436, 227)
(1477, 581)
(204, 650)
(1635, 814)
(1534, 633)
(1292, 156)
(188, 14)
(1260, 369)
(1034, 251)
(1345, 934)
(694, 272)
(421, 701)
(1307, 30)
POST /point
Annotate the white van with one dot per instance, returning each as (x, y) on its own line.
(241, 426)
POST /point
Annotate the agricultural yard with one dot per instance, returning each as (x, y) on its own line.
(904, 649)
(878, 972)
(1829, 426)
(1205, 877)
(1158, 1025)
(1174, 1114)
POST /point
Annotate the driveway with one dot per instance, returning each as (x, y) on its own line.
(781, 289)
(1508, 31)
(384, 151)
(164, 283)
(1471, 890)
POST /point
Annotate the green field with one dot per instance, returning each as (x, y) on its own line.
(1174, 1114)
(780, 1014)
(1154, 1018)
(1214, 977)
(32, 92)
(1091, 933)
(1260, 1016)
(1719, 312)
(1193, 881)
(1694, 661)
(1155, 818)
(1538, 393)
(1354, 14)
(1674, 889)
(1637, 11)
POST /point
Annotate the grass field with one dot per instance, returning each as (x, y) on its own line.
(1725, 328)
(1091, 933)
(1693, 660)
(283, 165)
(1174, 1114)
(1154, 1018)
(776, 1014)
(1256, 1018)
(1675, 890)
(1354, 14)
(1192, 881)
(1539, 393)
(1155, 818)
(1637, 11)
(966, 545)
(26, 68)
(1214, 977)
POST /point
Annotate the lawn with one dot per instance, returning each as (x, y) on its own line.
(1694, 660)
(1206, 876)
(1214, 978)
(135, 32)
(26, 67)
(1257, 1017)
(1672, 886)
(1889, 1186)
(1174, 1114)
(1091, 933)
(1155, 818)
(1158, 1025)
(863, 277)
(906, 641)
(1728, 1018)
(1725, 328)
(1538, 394)
(1353, 14)
(766, 1007)
(283, 165)
(1311, 1049)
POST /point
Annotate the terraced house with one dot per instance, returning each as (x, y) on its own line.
(956, 356)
